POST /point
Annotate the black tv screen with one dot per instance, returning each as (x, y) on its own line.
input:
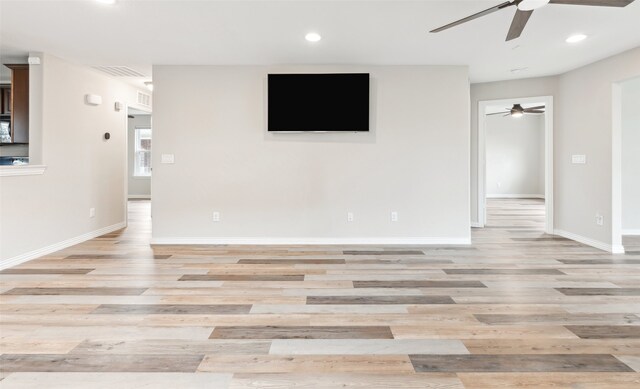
(318, 102)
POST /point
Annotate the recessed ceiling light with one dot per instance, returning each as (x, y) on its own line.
(519, 70)
(106, 1)
(576, 38)
(529, 5)
(313, 37)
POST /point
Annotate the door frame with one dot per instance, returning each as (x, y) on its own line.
(617, 246)
(548, 151)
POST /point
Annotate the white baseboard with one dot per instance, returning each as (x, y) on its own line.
(615, 249)
(145, 197)
(515, 196)
(311, 241)
(631, 232)
(58, 246)
(476, 225)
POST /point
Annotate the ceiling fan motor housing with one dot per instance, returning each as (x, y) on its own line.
(517, 108)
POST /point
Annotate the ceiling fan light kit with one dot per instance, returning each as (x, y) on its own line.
(576, 38)
(526, 7)
(530, 5)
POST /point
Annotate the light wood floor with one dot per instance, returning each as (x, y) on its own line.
(631, 244)
(517, 309)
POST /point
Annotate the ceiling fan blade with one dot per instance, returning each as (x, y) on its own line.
(538, 107)
(520, 20)
(495, 113)
(598, 3)
(533, 111)
(475, 16)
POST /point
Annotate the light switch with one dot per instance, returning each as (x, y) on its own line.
(167, 158)
(579, 159)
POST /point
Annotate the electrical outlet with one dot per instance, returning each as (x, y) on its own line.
(92, 212)
(599, 219)
(216, 216)
(349, 216)
(394, 216)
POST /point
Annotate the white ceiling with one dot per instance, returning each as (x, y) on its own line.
(139, 33)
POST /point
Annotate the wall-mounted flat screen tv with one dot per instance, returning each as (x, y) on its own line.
(318, 102)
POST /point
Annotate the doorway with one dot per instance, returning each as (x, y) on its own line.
(626, 167)
(515, 163)
(139, 141)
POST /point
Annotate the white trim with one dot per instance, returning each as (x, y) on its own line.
(146, 197)
(616, 164)
(548, 165)
(476, 225)
(515, 196)
(125, 215)
(548, 150)
(482, 165)
(22, 170)
(628, 232)
(310, 241)
(615, 249)
(58, 246)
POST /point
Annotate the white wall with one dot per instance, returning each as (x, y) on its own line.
(83, 170)
(631, 156)
(299, 187)
(582, 125)
(138, 186)
(515, 156)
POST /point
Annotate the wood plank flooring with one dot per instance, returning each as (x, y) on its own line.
(517, 309)
(631, 244)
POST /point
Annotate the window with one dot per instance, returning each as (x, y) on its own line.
(142, 153)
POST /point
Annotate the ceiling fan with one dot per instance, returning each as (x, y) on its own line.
(517, 111)
(526, 8)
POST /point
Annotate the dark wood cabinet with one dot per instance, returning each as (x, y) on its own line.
(19, 103)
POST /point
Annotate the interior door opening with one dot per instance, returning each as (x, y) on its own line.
(626, 167)
(139, 168)
(515, 163)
